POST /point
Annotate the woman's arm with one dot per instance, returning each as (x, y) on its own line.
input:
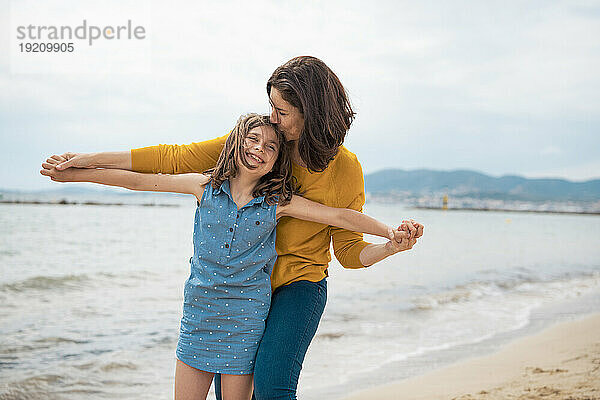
(374, 253)
(178, 159)
(168, 159)
(113, 159)
(185, 183)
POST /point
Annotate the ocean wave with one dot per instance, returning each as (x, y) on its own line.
(566, 284)
(47, 387)
(34, 388)
(64, 282)
(163, 341)
(330, 335)
(107, 366)
(59, 340)
(113, 366)
(39, 344)
(46, 283)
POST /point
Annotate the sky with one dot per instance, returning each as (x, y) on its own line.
(493, 86)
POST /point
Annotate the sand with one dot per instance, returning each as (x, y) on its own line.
(562, 362)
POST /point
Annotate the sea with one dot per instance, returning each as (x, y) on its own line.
(91, 296)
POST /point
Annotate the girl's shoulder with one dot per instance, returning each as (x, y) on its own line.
(204, 179)
(198, 183)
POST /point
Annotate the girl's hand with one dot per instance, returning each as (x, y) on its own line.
(414, 228)
(67, 175)
(399, 241)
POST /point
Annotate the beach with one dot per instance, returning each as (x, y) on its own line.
(562, 362)
(91, 296)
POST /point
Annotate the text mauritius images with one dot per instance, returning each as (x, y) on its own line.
(83, 32)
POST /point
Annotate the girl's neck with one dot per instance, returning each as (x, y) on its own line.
(242, 186)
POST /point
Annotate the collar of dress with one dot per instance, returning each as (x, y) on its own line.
(225, 188)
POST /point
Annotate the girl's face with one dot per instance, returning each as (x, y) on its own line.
(261, 149)
(288, 118)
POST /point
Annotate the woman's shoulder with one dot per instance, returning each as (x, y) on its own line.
(345, 159)
(347, 177)
(346, 163)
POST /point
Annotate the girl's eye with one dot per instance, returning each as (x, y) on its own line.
(252, 138)
(272, 148)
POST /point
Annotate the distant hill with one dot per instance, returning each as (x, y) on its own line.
(475, 184)
(460, 183)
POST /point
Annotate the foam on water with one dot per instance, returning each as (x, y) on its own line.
(465, 314)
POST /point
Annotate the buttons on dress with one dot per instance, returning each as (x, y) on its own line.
(257, 222)
(230, 229)
(226, 245)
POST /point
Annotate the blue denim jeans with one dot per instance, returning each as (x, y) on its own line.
(292, 322)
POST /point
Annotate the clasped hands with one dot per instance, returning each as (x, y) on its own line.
(405, 237)
(58, 167)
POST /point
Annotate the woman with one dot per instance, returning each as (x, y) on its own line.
(311, 108)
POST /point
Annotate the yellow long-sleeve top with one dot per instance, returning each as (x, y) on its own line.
(302, 246)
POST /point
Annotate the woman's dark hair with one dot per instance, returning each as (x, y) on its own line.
(309, 85)
(278, 185)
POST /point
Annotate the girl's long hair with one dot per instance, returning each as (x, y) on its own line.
(278, 185)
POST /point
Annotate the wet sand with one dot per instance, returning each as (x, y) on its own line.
(562, 362)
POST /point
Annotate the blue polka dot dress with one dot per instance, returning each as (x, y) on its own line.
(228, 293)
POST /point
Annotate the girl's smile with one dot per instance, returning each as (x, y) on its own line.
(261, 149)
(254, 157)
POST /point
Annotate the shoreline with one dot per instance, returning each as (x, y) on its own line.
(560, 362)
(510, 210)
(64, 202)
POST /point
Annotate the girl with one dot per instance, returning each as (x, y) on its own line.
(227, 296)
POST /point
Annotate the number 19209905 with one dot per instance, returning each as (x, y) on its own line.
(46, 47)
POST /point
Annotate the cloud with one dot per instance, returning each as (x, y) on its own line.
(550, 151)
(436, 84)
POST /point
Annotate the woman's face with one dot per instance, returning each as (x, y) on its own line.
(261, 149)
(288, 118)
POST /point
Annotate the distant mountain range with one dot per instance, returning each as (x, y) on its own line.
(422, 182)
(465, 183)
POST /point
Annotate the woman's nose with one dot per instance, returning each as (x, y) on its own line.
(274, 118)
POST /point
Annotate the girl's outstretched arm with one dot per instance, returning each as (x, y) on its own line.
(184, 183)
(308, 210)
(399, 240)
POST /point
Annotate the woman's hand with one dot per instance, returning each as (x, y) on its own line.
(405, 237)
(400, 240)
(67, 160)
(414, 228)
